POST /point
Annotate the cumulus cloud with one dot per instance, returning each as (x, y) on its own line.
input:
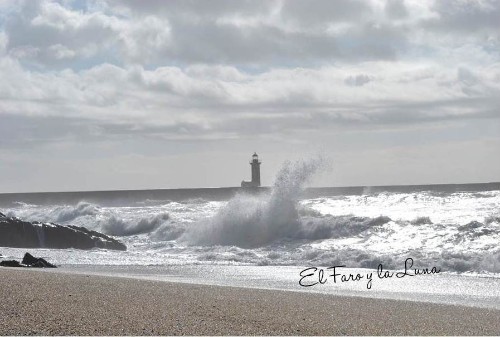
(466, 16)
(3, 43)
(396, 9)
(194, 102)
(259, 34)
(358, 80)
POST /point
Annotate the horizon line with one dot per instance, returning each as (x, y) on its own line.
(239, 187)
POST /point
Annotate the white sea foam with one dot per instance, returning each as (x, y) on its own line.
(253, 221)
(59, 214)
(457, 231)
(114, 225)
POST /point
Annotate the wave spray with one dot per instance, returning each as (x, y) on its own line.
(249, 221)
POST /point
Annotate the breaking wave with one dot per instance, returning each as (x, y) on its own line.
(457, 231)
(119, 227)
(68, 213)
(332, 227)
(58, 214)
(93, 217)
(253, 221)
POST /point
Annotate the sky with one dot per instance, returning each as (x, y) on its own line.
(100, 95)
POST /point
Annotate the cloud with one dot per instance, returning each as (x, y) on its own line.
(466, 16)
(220, 102)
(3, 43)
(324, 12)
(94, 71)
(396, 9)
(257, 33)
(358, 80)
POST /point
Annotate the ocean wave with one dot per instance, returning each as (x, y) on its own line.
(68, 213)
(167, 232)
(304, 255)
(279, 229)
(193, 201)
(421, 220)
(153, 202)
(61, 214)
(492, 219)
(116, 226)
(332, 227)
(254, 221)
(447, 260)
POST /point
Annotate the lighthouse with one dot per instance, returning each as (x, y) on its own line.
(255, 164)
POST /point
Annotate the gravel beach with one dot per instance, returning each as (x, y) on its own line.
(54, 303)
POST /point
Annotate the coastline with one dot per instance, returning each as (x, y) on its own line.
(49, 303)
(110, 197)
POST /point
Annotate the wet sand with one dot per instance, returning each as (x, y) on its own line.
(53, 303)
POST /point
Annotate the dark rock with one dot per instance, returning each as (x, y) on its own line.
(10, 263)
(22, 234)
(31, 261)
(2, 215)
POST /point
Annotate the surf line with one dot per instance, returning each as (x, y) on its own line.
(313, 275)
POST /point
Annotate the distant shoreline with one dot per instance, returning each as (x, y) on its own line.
(225, 193)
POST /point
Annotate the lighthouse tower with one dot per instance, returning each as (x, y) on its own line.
(255, 164)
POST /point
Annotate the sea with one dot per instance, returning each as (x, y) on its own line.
(431, 243)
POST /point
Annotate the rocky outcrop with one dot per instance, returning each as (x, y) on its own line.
(28, 261)
(10, 263)
(36, 262)
(22, 234)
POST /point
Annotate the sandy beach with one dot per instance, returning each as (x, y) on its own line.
(54, 303)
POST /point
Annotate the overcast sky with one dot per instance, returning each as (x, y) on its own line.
(98, 95)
